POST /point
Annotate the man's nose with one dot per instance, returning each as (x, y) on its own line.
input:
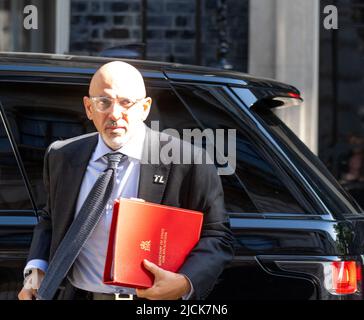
(116, 111)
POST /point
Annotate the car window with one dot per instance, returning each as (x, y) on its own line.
(171, 113)
(13, 192)
(260, 181)
(41, 114)
(335, 197)
(49, 112)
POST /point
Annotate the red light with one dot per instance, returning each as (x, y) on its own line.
(358, 272)
(294, 95)
(344, 277)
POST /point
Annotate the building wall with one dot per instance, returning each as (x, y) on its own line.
(13, 35)
(171, 29)
(341, 117)
(5, 40)
(284, 45)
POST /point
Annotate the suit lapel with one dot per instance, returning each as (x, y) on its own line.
(150, 188)
(73, 172)
(153, 177)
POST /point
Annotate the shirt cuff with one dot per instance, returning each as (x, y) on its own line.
(187, 296)
(36, 264)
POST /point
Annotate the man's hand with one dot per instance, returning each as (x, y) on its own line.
(27, 294)
(31, 285)
(167, 285)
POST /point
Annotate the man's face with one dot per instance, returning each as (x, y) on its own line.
(115, 124)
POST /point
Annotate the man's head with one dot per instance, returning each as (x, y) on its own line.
(117, 104)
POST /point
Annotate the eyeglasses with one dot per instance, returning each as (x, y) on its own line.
(103, 104)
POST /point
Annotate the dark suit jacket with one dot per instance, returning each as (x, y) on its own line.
(190, 186)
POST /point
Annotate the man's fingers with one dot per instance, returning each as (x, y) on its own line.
(150, 266)
(150, 293)
(26, 294)
(163, 279)
(143, 293)
(140, 293)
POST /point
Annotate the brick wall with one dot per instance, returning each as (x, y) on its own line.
(171, 31)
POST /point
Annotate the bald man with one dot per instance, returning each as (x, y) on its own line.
(118, 106)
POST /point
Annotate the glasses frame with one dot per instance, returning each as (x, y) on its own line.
(124, 109)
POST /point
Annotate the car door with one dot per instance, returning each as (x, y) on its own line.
(263, 202)
(17, 213)
(36, 111)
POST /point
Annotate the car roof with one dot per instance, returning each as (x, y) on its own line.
(86, 65)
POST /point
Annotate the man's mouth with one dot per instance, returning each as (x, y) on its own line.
(115, 126)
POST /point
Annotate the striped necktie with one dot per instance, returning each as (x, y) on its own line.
(80, 229)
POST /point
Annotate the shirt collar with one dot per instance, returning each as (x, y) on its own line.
(133, 148)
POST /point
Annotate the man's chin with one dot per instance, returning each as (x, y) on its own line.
(115, 141)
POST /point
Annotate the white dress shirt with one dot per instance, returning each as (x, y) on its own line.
(88, 268)
(87, 271)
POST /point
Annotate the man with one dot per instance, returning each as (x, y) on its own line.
(118, 106)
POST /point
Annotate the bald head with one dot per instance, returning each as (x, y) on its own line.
(118, 78)
(117, 81)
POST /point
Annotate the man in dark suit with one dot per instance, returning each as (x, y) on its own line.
(118, 107)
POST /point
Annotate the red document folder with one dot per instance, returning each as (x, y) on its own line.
(142, 230)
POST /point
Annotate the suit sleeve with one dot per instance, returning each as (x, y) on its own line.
(42, 233)
(215, 248)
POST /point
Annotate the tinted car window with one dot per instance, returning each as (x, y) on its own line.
(171, 113)
(13, 192)
(335, 197)
(257, 178)
(42, 114)
(49, 112)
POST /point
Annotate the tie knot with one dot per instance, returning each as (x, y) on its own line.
(113, 159)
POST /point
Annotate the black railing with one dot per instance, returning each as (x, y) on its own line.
(222, 26)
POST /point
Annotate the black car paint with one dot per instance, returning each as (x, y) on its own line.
(277, 256)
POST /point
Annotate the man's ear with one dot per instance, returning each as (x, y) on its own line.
(146, 107)
(88, 107)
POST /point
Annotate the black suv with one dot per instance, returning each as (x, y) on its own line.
(298, 234)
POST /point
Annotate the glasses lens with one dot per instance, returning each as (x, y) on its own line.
(103, 103)
(125, 102)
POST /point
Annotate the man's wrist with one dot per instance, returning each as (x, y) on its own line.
(187, 284)
(36, 264)
(33, 278)
(188, 288)
(27, 273)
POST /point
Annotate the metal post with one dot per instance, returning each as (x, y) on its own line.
(222, 35)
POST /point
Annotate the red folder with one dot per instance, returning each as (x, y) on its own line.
(141, 230)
